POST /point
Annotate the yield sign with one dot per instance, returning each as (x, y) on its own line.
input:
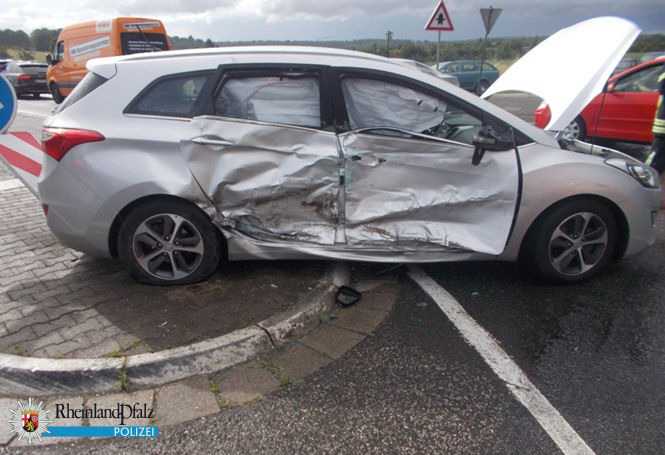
(440, 20)
(490, 15)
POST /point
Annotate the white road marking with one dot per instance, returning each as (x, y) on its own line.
(563, 435)
(10, 184)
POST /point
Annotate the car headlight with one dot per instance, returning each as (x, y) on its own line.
(644, 174)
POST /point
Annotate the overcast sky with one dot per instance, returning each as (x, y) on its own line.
(234, 20)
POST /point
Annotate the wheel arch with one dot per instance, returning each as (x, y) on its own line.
(119, 219)
(623, 234)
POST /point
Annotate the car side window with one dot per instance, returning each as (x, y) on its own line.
(377, 104)
(645, 80)
(284, 99)
(488, 67)
(469, 67)
(173, 96)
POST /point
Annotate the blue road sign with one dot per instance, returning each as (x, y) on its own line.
(8, 104)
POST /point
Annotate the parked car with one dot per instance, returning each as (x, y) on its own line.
(623, 112)
(469, 74)
(27, 78)
(79, 43)
(428, 70)
(296, 152)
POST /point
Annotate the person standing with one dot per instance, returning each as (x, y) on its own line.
(657, 157)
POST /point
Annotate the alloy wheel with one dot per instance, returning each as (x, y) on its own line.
(578, 244)
(168, 247)
(573, 131)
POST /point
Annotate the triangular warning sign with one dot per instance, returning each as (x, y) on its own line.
(440, 19)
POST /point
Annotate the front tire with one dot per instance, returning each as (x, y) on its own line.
(168, 242)
(571, 242)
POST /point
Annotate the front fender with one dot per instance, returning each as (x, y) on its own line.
(554, 175)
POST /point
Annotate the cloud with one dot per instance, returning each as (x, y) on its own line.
(330, 19)
(340, 9)
(153, 7)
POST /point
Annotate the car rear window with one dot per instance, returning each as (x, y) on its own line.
(137, 42)
(90, 82)
(174, 96)
(33, 69)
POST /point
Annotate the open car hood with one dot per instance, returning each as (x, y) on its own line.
(571, 67)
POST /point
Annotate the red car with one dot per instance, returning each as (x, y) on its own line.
(624, 112)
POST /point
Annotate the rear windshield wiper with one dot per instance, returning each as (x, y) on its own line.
(145, 38)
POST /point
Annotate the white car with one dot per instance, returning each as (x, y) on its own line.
(172, 161)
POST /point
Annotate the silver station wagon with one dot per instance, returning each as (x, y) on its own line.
(174, 161)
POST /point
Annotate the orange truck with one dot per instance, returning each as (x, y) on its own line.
(105, 38)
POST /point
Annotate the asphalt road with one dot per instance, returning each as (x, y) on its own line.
(595, 350)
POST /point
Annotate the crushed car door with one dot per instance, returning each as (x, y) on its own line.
(409, 179)
(264, 158)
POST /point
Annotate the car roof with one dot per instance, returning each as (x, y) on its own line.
(249, 51)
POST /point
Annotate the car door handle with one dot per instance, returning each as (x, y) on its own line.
(356, 157)
(212, 140)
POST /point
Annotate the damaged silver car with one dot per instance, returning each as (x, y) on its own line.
(174, 161)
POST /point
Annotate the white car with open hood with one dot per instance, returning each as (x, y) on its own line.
(172, 161)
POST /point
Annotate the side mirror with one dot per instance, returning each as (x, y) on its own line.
(49, 59)
(486, 140)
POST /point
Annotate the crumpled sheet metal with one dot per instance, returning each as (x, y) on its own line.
(424, 193)
(278, 184)
(281, 187)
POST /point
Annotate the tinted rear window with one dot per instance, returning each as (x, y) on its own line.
(90, 82)
(173, 96)
(136, 42)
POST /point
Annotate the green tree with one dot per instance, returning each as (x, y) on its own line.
(24, 54)
(43, 39)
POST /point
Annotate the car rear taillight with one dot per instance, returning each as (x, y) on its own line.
(24, 77)
(56, 142)
(543, 115)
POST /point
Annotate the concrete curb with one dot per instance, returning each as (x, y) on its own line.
(29, 376)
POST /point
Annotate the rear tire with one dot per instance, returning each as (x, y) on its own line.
(571, 242)
(169, 242)
(55, 93)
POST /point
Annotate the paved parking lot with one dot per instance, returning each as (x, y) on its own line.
(596, 351)
(55, 302)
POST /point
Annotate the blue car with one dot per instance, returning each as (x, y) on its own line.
(469, 75)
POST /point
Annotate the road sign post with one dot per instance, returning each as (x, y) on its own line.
(439, 21)
(8, 104)
(490, 16)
